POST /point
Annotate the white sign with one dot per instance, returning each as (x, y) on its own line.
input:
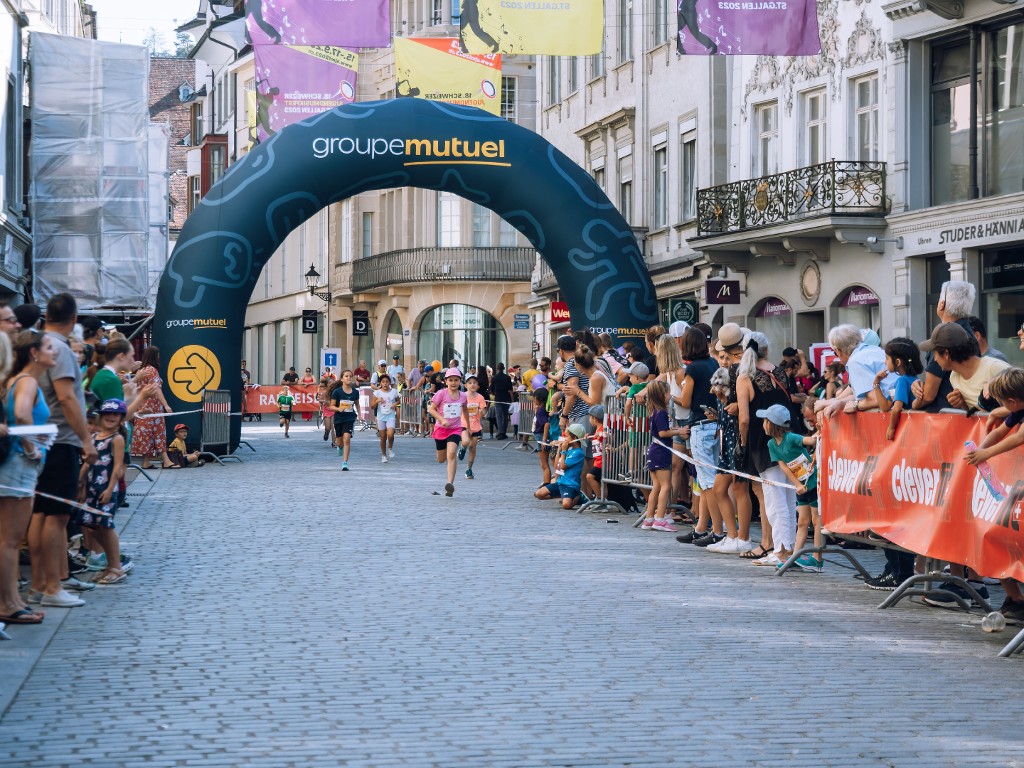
(330, 357)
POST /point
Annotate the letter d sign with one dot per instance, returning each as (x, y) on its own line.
(360, 323)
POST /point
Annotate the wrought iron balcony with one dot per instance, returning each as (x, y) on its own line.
(835, 188)
(433, 265)
(543, 278)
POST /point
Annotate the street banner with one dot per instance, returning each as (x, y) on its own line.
(294, 82)
(436, 69)
(262, 398)
(919, 493)
(251, 107)
(352, 23)
(772, 27)
(527, 27)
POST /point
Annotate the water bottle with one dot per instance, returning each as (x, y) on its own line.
(994, 622)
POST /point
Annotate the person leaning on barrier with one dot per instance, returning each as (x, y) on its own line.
(862, 361)
(956, 301)
(956, 353)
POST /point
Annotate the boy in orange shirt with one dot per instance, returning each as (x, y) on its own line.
(476, 405)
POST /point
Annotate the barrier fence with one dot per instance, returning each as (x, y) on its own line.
(216, 431)
(527, 413)
(412, 416)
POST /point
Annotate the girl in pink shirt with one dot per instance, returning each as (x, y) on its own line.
(448, 408)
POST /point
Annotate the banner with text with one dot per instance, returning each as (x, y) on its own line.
(573, 28)
(773, 27)
(353, 23)
(263, 398)
(918, 492)
(436, 69)
(294, 82)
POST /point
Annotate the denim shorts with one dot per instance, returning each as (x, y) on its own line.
(705, 447)
(19, 475)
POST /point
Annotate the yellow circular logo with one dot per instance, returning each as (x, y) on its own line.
(191, 370)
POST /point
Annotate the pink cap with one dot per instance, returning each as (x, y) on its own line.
(453, 372)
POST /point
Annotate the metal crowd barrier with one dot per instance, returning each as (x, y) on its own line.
(216, 421)
(624, 458)
(365, 418)
(411, 414)
(527, 412)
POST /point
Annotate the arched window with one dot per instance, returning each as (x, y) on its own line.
(774, 318)
(467, 334)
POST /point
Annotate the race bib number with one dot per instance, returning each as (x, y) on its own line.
(801, 467)
(473, 409)
(598, 448)
(452, 410)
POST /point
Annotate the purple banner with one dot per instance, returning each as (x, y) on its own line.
(351, 23)
(773, 308)
(293, 83)
(735, 27)
(859, 297)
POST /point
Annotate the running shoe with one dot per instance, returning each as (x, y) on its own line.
(664, 525)
(344, 466)
(449, 489)
(62, 599)
(648, 523)
(391, 453)
(383, 459)
(469, 474)
(809, 564)
(73, 584)
(462, 452)
(96, 561)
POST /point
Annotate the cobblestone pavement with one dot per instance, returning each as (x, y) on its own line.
(285, 613)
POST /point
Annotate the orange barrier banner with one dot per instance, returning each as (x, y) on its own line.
(262, 398)
(918, 492)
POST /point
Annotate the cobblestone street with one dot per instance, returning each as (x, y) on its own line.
(282, 612)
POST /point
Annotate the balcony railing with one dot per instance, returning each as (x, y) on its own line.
(544, 277)
(835, 188)
(433, 265)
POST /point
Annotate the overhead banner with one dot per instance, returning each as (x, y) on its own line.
(261, 398)
(352, 23)
(919, 493)
(436, 69)
(294, 82)
(772, 27)
(517, 26)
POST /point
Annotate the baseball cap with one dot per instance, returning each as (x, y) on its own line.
(472, 376)
(394, 357)
(382, 362)
(729, 335)
(777, 414)
(639, 369)
(678, 328)
(597, 412)
(429, 369)
(113, 406)
(453, 372)
(566, 343)
(180, 426)
(577, 431)
(945, 336)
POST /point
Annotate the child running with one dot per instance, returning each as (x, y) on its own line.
(99, 485)
(903, 358)
(383, 400)
(344, 402)
(569, 459)
(285, 402)
(659, 458)
(476, 404)
(448, 408)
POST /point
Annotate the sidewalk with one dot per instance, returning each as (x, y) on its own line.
(283, 612)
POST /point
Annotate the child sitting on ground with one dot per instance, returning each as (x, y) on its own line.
(569, 459)
(178, 453)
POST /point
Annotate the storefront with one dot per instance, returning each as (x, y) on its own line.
(1002, 297)
(394, 338)
(468, 334)
(859, 306)
(774, 318)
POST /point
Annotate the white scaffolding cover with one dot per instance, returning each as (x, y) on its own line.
(89, 163)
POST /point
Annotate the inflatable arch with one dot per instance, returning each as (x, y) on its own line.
(210, 276)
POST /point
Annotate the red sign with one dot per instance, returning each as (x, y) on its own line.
(919, 493)
(263, 398)
(559, 312)
(773, 308)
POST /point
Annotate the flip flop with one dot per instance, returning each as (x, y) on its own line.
(24, 616)
(755, 554)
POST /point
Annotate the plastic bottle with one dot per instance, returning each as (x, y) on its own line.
(995, 485)
(994, 622)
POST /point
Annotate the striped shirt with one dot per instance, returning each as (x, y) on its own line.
(580, 408)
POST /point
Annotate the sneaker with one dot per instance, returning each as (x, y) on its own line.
(126, 564)
(391, 453)
(885, 582)
(383, 459)
(688, 538)
(339, 451)
(78, 564)
(664, 525)
(344, 466)
(62, 599)
(744, 545)
(724, 546)
(449, 489)
(809, 564)
(96, 561)
(33, 597)
(648, 523)
(948, 601)
(462, 452)
(75, 585)
(325, 436)
(1013, 611)
(469, 474)
(708, 539)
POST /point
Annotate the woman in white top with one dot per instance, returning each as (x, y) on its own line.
(670, 364)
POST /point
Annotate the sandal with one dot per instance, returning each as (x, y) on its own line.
(24, 616)
(755, 554)
(110, 576)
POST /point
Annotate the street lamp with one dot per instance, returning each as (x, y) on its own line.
(312, 279)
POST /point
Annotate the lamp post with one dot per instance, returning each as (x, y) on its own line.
(312, 279)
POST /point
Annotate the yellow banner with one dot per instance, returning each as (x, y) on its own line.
(250, 106)
(566, 28)
(437, 70)
(332, 54)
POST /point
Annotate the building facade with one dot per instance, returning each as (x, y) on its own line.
(15, 240)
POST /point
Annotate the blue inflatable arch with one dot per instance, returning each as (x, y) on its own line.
(224, 244)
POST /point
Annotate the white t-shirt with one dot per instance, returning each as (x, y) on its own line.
(972, 388)
(386, 402)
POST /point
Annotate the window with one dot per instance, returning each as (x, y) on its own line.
(448, 224)
(766, 122)
(346, 232)
(12, 155)
(554, 85)
(435, 11)
(626, 187)
(598, 174)
(660, 187)
(218, 162)
(574, 78)
(865, 130)
(1004, 131)
(508, 237)
(660, 22)
(508, 98)
(688, 176)
(198, 131)
(815, 134)
(597, 65)
(367, 235)
(471, 335)
(481, 226)
(625, 30)
(195, 192)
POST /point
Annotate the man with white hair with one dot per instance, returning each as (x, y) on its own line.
(862, 361)
(956, 304)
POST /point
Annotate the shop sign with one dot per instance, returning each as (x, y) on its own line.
(979, 231)
(722, 291)
(1003, 269)
(859, 297)
(773, 308)
(559, 312)
(686, 310)
(309, 320)
(360, 322)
